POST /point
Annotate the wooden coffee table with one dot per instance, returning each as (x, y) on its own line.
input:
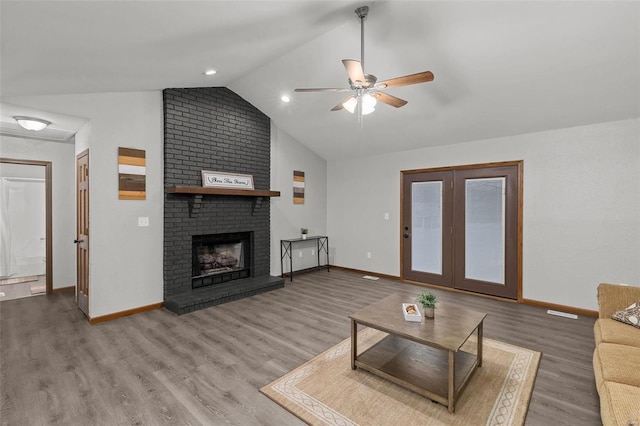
(425, 357)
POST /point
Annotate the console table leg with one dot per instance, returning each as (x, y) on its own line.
(480, 344)
(291, 262)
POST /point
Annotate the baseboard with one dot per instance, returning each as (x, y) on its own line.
(547, 305)
(360, 271)
(562, 308)
(305, 270)
(121, 314)
(63, 289)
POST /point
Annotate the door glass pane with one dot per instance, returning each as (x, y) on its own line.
(485, 229)
(426, 221)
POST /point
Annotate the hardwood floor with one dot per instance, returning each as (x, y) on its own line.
(206, 367)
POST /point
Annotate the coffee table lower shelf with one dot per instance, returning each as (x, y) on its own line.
(420, 368)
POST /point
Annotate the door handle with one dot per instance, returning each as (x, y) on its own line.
(77, 241)
(406, 235)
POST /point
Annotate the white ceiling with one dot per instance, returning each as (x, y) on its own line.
(501, 68)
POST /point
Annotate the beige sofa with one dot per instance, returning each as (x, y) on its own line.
(616, 359)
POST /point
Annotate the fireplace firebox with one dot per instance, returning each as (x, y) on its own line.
(220, 258)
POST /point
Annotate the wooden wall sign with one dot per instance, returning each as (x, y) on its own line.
(226, 180)
(132, 174)
(298, 187)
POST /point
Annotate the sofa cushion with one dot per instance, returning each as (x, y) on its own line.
(607, 330)
(630, 315)
(616, 363)
(619, 404)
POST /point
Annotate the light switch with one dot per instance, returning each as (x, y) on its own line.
(143, 221)
(386, 216)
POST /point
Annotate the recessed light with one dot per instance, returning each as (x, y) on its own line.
(284, 98)
(209, 72)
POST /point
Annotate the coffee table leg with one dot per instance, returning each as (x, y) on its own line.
(452, 380)
(354, 343)
(480, 344)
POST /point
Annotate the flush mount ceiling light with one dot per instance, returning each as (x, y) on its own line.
(210, 72)
(285, 98)
(31, 123)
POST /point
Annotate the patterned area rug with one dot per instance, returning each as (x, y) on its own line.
(325, 391)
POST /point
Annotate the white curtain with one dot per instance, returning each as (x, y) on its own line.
(7, 261)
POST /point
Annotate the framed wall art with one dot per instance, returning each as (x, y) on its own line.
(132, 174)
(298, 187)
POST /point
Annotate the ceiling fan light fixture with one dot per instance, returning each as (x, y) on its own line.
(350, 104)
(368, 104)
(31, 123)
(366, 89)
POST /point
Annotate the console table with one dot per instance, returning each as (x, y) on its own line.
(286, 250)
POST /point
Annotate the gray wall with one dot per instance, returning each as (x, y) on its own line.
(127, 261)
(581, 186)
(581, 203)
(287, 218)
(125, 264)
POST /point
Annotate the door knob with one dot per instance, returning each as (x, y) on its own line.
(406, 235)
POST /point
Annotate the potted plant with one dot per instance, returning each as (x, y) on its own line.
(428, 301)
(304, 232)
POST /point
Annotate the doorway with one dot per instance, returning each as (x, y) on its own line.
(462, 228)
(26, 252)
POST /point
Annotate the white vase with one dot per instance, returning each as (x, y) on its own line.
(304, 236)
(429, 312)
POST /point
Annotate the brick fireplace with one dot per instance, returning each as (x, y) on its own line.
(206, 237)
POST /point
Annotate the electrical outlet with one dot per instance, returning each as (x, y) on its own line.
(386, 216)
(299, 253)
(368, 255)
(143, 221)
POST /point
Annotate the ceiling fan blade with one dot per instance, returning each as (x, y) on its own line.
(421, 77)
(389, 99)
(341, 104)
(354, 69)
(323, 89)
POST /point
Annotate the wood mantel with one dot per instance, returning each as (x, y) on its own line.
(197, 192)
(221, 191)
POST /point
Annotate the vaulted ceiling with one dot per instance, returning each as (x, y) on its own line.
(501, 68)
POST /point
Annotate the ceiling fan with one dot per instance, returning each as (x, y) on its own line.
(366, 88)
